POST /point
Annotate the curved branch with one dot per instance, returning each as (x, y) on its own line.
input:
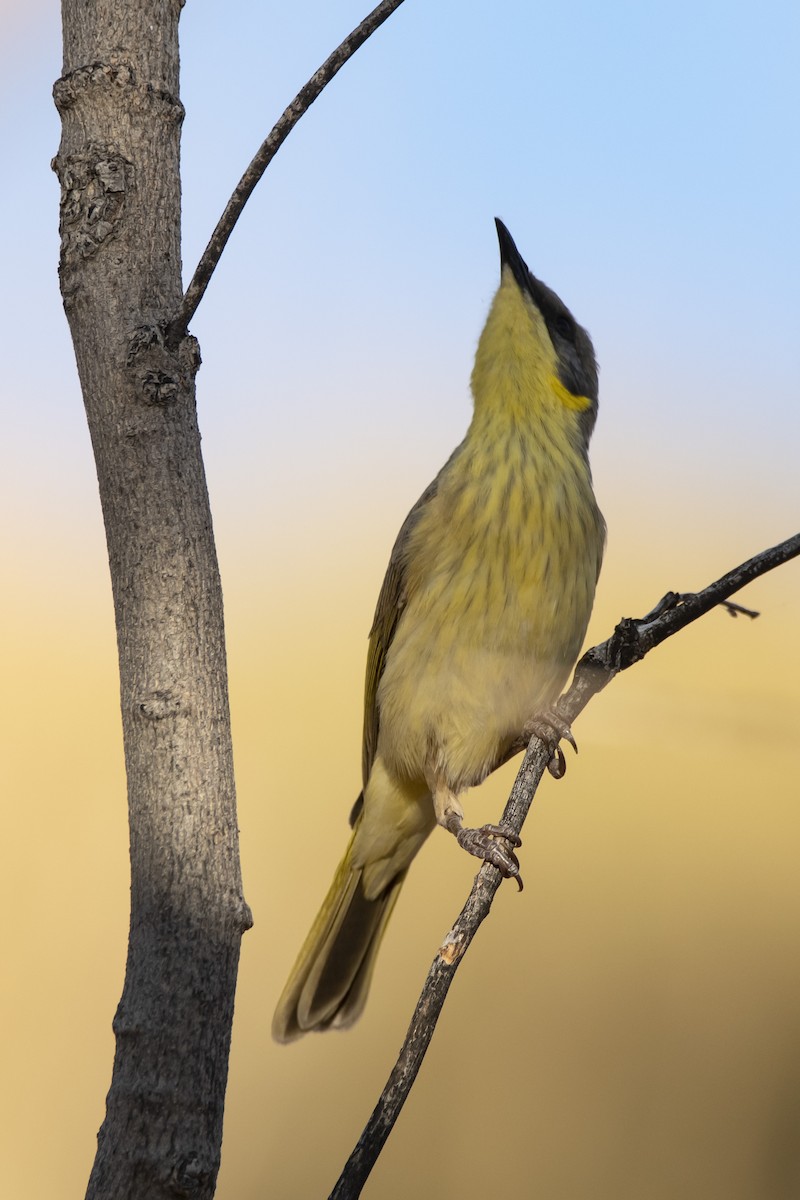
(269, 148)
(630, 642)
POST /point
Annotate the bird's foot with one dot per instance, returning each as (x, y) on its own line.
(551, 727)
(492, 843)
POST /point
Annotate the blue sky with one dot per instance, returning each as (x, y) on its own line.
(644, 156)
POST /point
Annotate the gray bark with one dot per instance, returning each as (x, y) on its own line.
(118, 164)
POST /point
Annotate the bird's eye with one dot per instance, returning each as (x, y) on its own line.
(564, 326)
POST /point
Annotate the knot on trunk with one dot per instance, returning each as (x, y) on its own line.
(162, 374)
(191, 1176)
(94, 187)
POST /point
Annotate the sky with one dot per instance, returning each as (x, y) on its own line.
(645, 158)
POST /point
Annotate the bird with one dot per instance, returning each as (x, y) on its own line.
(479, 621)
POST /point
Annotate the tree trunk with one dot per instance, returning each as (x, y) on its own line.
(118, 164)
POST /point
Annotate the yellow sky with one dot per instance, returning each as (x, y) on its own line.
(640, 993)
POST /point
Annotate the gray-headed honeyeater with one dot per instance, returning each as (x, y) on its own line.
(479, 621)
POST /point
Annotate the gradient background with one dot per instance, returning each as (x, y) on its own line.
(627, 1028)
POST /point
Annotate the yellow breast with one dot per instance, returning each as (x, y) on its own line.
(500, 578)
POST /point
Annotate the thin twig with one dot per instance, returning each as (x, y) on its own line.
(269, 148)
(736, 609)
(628, 644)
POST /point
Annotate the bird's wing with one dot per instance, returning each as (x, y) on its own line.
(391, 602)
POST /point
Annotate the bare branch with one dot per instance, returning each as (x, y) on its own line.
(630, 642)
(269, 148)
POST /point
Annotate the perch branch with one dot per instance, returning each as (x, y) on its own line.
(269, 148)
(630, 642)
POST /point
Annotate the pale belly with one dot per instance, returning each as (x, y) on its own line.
(459, 685)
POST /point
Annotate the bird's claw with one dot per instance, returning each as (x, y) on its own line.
(557, 765)
(488, 843)
(551, 728)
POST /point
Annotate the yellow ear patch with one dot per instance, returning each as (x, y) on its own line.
(576, 403)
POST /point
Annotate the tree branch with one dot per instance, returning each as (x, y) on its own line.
(269, 148)
(631, 641)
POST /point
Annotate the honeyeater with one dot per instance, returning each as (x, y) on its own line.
(479, 621)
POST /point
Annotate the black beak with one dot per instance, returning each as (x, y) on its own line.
(511, 257)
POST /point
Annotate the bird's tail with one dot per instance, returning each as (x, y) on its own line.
(328, 986)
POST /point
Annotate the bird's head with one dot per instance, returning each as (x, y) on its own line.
(532, 354)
